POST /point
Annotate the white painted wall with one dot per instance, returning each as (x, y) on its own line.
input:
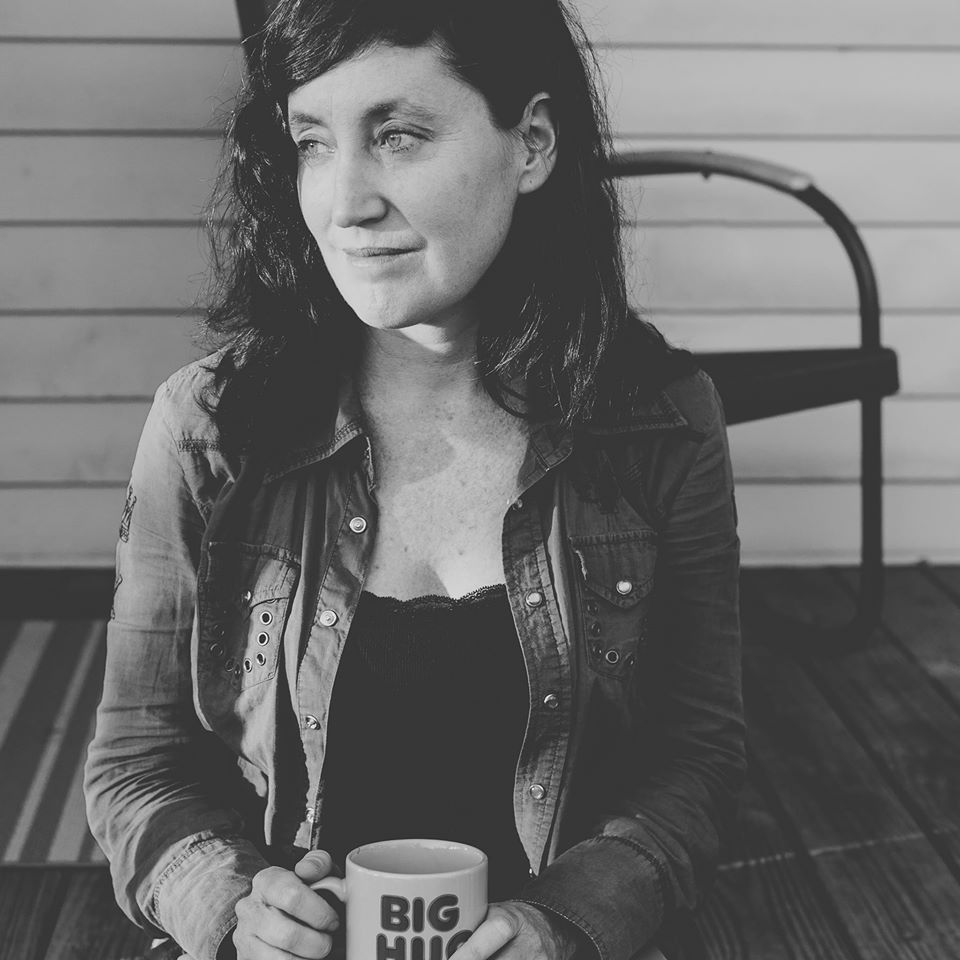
(108, 144)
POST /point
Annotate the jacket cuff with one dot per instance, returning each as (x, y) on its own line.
(196, 897)
(611, 887)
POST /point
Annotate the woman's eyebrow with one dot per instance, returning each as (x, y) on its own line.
(374, 112)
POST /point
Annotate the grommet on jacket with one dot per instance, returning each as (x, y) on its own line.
(266, 617)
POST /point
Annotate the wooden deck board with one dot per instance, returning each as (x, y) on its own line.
(848, 838)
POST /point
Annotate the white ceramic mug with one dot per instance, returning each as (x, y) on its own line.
(411, 899)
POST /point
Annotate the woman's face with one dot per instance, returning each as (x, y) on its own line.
(396, 153)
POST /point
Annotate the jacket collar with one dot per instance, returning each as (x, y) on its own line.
(550, 440)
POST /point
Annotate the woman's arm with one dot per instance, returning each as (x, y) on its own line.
(656, 847)
(177, 858)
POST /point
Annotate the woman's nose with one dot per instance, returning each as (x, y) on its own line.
(357, 193)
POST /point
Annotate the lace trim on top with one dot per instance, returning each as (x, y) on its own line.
(435, 601)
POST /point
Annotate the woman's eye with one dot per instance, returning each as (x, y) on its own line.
(309, 148)
(394, 140)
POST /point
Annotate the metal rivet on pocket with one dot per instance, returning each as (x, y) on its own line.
(612, 656)
(624, 587)
(263, 639)
(266, 616)
(247, 664)
(261, 659)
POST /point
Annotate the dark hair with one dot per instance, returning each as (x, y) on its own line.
(558, 313)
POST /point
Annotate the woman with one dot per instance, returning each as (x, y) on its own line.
(442, 539)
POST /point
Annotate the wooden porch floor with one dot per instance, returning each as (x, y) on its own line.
(849, 836)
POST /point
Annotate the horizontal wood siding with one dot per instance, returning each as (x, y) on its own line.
(102, 256)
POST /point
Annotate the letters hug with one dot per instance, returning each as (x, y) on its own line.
(236, 583)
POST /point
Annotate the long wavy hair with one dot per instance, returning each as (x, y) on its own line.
(556, 308)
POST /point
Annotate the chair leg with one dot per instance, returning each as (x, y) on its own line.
(805, 639)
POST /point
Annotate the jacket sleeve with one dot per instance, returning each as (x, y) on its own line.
(656, 848)
(177, 857)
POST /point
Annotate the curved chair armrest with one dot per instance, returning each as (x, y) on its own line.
(707, 162)
(799, 185)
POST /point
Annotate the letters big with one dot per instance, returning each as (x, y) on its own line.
(443, 914)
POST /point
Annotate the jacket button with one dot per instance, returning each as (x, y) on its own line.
(261, 659)
(217, 630)
(596, 649)
(534, 598)
(247, 664)
(537, 792)
(612, 656)
(263, 639)
(311, 722)
(624, 587)
(358, 524)
(518, 503)
(591, 606)
(328, 618)
(216, 649)
(552, 701)
(595, 627)
(228, 664)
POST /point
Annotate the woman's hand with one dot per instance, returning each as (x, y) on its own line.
(282, 917)
(514, 930)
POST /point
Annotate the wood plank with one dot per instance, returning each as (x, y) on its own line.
(868, 851)
(786, 523)
(107, 178)
(95, 441)
(857, 175)
(796, 93)
(82, 442)
(119, 18)
(101, 268)
(116, 86)
(30, 901)
(92, 356)
(927, 345)
(924, 626)
(693, 269)
(709, 268)
(748, 22)
(91, 924)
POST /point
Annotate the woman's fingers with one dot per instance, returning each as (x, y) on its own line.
(499, 928)
(284, 890)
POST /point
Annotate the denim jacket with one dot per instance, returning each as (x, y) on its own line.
(236, 582)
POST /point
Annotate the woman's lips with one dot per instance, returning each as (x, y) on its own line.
(374, 257)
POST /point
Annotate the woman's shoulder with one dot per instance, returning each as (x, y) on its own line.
(184, 398)
(697, 399)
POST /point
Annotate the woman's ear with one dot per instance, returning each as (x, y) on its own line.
(539, 133)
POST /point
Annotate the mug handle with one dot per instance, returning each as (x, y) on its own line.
(336, 885)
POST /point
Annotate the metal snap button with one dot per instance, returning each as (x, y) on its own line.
(247, 596)
(328, 618)
(552, 701)
(261, 659)
(612, 656)
(624, 587)
(216, 649)
(537, 792)
(311, 722)
(534, 598)
(247, 664)
(596, 649)
(592, 606)
(358, 524)
(595, 627)
(266, 616)
(228, 664)
(263, 639)
(236, 670)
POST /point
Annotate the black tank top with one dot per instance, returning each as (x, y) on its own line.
(427, 718)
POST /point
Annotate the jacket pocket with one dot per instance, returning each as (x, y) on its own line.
(244, 601)
(615, 582)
